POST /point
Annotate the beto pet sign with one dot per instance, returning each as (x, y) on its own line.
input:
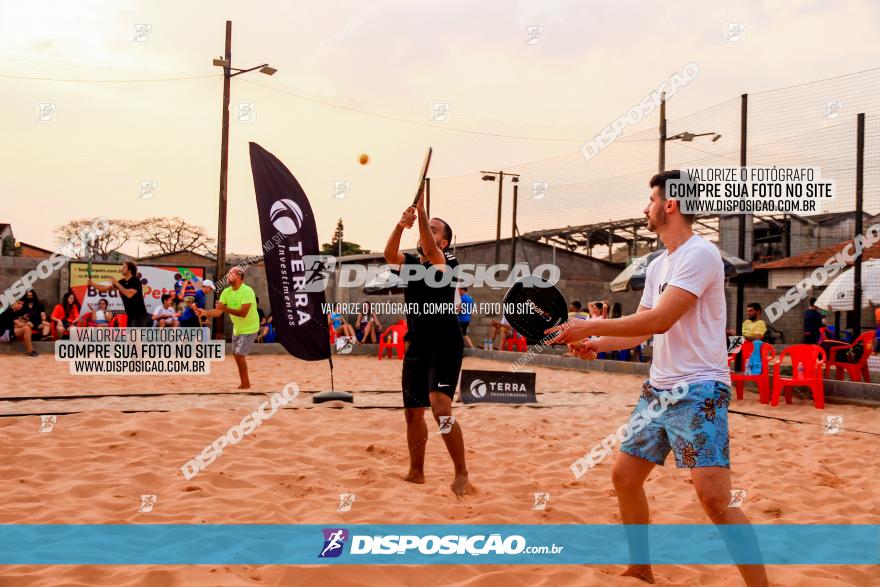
(500, 387)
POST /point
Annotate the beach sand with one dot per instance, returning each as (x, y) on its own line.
(94, 466)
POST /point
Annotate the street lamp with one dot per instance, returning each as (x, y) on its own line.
(685, 137)
(490, 176)
(228, 73)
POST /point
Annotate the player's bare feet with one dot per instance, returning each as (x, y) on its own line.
(415, 477)
(461, 485)
(642, 572)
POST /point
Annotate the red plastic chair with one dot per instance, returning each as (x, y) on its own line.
(387, 340)
(762, 379)
(85, 320)
(857, 371)
(812, 358)
(332, 333)
(515, 342)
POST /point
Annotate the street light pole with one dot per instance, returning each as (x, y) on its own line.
(220, 270)
(491, 176)
(226, 64)
(513, 227)
(498, 222)
(662, 162)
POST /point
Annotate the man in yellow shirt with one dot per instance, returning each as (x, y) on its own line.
(239, 301)
(753, 327)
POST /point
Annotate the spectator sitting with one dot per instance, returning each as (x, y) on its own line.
(164, 316)
(502, 328)
(753, 328)
(576, 312)
(102, 316)
(65, 314)
(269, 335)
(14, 325)
(340, 325)
(598, 310)
(35, 312)
(369, 328)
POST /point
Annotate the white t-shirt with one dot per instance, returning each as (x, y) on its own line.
(695, 347)
(163, 312)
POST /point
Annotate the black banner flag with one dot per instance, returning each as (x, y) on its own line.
(290, 243)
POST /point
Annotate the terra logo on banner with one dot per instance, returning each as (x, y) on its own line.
(503, 387)
(286, 216)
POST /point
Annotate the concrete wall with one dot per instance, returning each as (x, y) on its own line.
(14, 268)
(786, 278)
(583, 279)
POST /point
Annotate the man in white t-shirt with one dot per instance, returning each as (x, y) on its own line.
(683, 307)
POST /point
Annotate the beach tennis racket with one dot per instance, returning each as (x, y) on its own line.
(532, 305)
(423, 175)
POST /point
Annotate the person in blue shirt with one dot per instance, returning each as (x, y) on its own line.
(340, 325)
(189, 318)
(465, 309)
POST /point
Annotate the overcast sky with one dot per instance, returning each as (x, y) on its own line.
(392, 58)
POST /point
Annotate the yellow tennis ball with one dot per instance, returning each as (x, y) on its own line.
(364, 159)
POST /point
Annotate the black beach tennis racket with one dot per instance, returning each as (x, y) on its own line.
(532, 305)
(423, 175)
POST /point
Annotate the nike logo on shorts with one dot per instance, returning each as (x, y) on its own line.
(442, 385)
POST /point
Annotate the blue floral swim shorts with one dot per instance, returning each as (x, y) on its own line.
(694, 428)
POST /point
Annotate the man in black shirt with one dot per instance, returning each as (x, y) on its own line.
(14, 325)
(132, 294)
(434, 345)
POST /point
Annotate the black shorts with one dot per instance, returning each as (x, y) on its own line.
(464, 327)
(426, 370)
(142, 322)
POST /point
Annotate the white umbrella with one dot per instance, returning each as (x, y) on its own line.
(633, 277)
(838, 296)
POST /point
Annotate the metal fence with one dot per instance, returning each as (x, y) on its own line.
(812, 124)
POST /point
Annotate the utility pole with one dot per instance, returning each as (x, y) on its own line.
(662, 161)
(491, 176)
(860, 185)
(220, 270)
(513, 228)
(228, 73)
(741, 243)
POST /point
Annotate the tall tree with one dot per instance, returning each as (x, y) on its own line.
(171, 234)
(107, 244)
(348, 248)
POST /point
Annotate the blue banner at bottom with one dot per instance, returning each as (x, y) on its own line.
(354, 544)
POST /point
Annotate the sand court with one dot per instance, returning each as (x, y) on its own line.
(94, 466)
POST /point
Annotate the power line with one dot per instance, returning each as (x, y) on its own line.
(107, 81)
(412, 122)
